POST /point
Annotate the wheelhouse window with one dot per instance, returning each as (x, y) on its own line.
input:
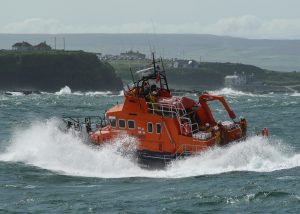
(122, 123)
(158, 128)
(150, 127)
(131, 124)
(112, 121)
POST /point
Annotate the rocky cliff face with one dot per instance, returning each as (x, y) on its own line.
(49, 71)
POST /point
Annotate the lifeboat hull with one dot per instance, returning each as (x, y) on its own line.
(159, 159)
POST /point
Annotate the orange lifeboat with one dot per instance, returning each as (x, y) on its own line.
(167, 127)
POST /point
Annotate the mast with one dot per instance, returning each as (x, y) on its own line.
(161, 72)
(153, 62)
(164, 74)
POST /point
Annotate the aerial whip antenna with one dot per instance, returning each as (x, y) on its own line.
(132, 75)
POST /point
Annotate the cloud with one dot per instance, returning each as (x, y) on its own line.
(254, 27)
(237, 26)
(34, 25)
(244, 26)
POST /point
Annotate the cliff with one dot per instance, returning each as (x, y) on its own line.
(50, 71)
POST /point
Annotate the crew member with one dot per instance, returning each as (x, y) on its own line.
(88, 125)
(222, 133)
(218, 135)
(153, 97)
(145, 88)
(243, 124)
(208, 128)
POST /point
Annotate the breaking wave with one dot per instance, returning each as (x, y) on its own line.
(45, 146)
(67, 91)
(232, 92)
(63, 91)
(15, 93)
(295, 94)
(235, 93)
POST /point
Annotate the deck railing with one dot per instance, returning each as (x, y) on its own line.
(187, 149)
(163, 109)
(90, 123)
(173, 111)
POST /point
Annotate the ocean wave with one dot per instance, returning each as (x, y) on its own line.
(236, 93)
(230, 91)
(295, 94)
(45, 146)
(15, 93)
(3, 97)
(67, 91)
(63, 91)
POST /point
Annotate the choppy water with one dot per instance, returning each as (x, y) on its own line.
(45, 170)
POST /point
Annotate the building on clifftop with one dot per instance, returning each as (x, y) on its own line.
(131, 55)
(25, 46)
(22, 46)
(42, 47)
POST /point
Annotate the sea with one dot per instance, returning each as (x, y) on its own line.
(44, 169)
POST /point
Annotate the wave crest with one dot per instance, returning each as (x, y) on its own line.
(45, 146)
(232, 92)
(67, 91)
(63, 91)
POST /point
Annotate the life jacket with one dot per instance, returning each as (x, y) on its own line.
(152, 98)
(218, 137)
(210, 129)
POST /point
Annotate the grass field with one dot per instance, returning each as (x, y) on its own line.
(209, 74)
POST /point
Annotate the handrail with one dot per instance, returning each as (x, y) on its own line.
(180, 113)
(183, 147)
(90, 123)
(169, 135)
(164, 109)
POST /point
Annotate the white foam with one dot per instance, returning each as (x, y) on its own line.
(15, 93)
(230, 91)
(255, 154)
(95, 93)
(63, 91)
(43, 145)
(236, 93)
(3, 98)
(67, 90)
(104, 93)
(295, 94)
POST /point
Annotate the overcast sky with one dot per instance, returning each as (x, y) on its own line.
(241, 18)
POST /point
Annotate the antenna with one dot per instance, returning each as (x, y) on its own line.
(155, 39)
(55, 42)
(132, 75)
(64, 43)
(153, 61)
(162, 64)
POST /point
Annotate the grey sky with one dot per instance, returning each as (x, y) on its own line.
(245, 18)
